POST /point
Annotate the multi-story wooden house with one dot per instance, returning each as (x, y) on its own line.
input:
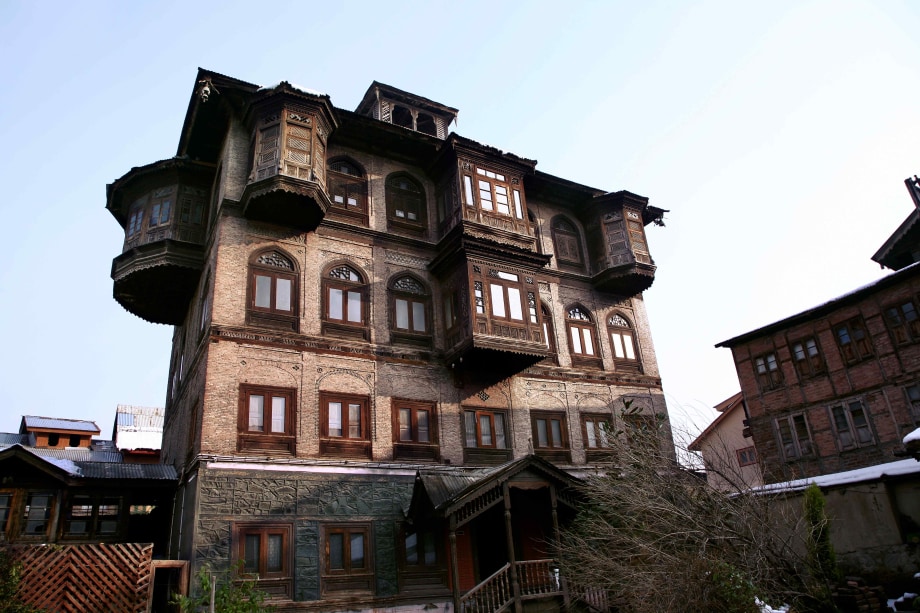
(393, 348)
(837, 387)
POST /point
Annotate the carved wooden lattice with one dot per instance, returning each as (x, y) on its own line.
(77, 578)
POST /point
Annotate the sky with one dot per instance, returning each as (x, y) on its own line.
(777, 135)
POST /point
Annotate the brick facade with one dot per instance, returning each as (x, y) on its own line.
(302, 479)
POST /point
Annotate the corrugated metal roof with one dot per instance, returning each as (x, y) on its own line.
(53, 423)
(13, 438)
(138, 418)
(78, 454)
(120, 470)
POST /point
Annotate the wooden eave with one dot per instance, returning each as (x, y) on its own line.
(284, 92)
(456, 495)
(120, 193)
(457, 244)
(385, 139)
(489, 156)
(556, 190)
(729, 406)
(895, 253)
(822, 310)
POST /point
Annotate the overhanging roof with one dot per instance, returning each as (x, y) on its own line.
(69, 470)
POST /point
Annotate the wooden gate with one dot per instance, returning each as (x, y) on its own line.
(86, 578)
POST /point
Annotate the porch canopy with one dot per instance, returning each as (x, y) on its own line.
(459, 495)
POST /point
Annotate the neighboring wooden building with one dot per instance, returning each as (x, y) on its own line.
(831, 393)
(728, 449)
(387, 338)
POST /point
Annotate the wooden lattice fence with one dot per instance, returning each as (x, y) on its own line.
(86, 578)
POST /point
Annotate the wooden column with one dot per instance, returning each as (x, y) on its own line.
(515, 583)
(564, 586)
(454, 569)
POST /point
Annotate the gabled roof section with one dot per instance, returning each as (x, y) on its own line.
(69, 470)
(376, 89)
(31, 423)
(726, 407)
(445, 491)
(821, 310)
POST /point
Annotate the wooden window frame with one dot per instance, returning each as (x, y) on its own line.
(807, 357)
(565, 241)
(276, 265)
(850, 434)
(425, 576)
(585, 330)
(599, 448)
(95, 504)
(416, 295)
(277, 584)
(347, 186)
(746, 456)
(622, 335)
(471, 191)
(853, 340)
(24, 509)
(345, 327)
(912, 393)
(266, 441)
(796, 446)
(345, 445)
(903, 321)
(549, 333)
(507, 302)
(398, 198)
(7, 512)
(413, 448)
(347, 579)
(486, 454)
(768, 371)
(551, 451)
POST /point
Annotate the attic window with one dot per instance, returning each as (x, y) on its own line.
(425, 123)
(402, 116)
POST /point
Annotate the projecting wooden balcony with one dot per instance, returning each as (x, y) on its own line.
(625, 274)
(156, 280)
(494, 346)
(284, 200)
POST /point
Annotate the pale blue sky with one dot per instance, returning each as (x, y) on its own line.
(778, 134)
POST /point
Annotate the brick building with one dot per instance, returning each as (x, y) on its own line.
(837, 387)
(393, 347)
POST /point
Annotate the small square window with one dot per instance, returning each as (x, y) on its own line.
(414, 430)
(266, 419)
(769, 375)
(348, 563)
(344, 425)
(747, 456)
(266, 553)
(853, 340)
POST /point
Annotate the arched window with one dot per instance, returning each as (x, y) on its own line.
(582, 338)
(410, 310)
(345, 302)
(347, 186)
(623, 343)
(566, 242)
(273, 290)
(405, 201)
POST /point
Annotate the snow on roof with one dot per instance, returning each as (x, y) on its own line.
(139, 440)
(306, 90)
(913, 436)
(869, 473)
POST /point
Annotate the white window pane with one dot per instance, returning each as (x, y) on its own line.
(508, 276)
(589, 430)
(556, 429)
(617, 342)
(352, 202)
(499, 431)
(357, 550)
(628, 345)
(339, 199)
(422, 423)
(335, 303)
(514, 303)
(335, 419)
(589, 344)
(354, 421)
(354, 307)
(405, 424)
(402, 314)
(263, 292)
(541, 433)
(469, 423)
(485, 430)
(576, 339)
(498, 299)
(518, 209)
(278, 413)
(256, 413)
(283, 294)
(468, 190)
(418, 316)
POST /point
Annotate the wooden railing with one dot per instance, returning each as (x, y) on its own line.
(538, 578)
(490, 596)
(595, 599)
